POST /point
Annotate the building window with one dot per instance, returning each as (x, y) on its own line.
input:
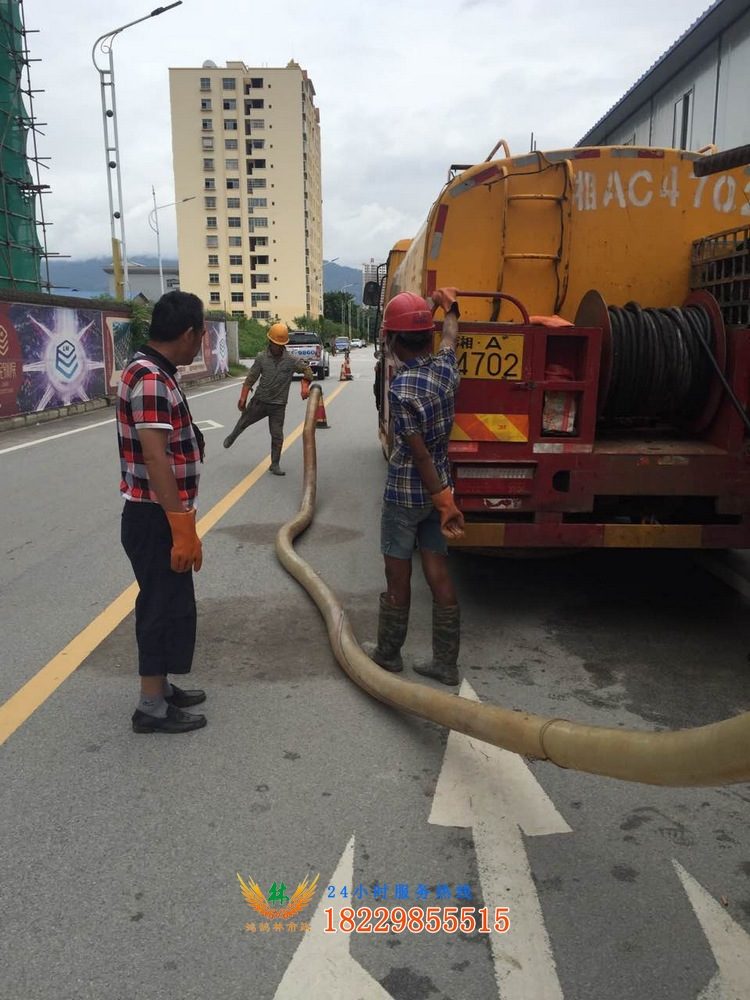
(256, 104)
(207, 143)
(683, 120)
(235, 279)
(234, 222)
(238, 296)
(259, 222)
(208, 163)
(210, 222)
(215, 296)
(261, 314)
(233, 202)
(213, 260)
(256, 81)
(207, 124)
(230, 124)
(256, 297)
(259, 241)
(213, 278)
(228, 83)
(260, 260)
(257, 202)
(231, 144)
(233, 183)
(257, 143)
(255, 164)
(209, 184)
(212, 242)
(255, 183)
(205, 83)
(235, 259)
(234, 241)
(261, 279)
(232, 164)
(209, 202)
(229, 104)
(257, 123)
(238, 312)
(205, 104)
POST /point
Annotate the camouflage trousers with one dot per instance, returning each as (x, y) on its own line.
(257, 410)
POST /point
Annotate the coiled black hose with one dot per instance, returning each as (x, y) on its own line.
(661, 371)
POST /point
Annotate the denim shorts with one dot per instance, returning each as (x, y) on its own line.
(404, 528)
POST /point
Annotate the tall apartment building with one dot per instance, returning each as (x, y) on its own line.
(246, 147)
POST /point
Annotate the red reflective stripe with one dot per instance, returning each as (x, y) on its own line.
(587, 154)
(442, 215)
(431, 281)
(650, 154)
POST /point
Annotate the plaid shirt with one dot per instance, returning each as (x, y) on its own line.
(149, 396)
(276, 375)
(422, 401)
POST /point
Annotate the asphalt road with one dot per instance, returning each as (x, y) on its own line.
(121, 852)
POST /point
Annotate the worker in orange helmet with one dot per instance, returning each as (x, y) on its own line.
(275, 368)
(418, 506)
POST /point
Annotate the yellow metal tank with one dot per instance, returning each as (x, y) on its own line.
(547, 227)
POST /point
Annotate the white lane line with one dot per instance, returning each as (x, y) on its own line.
(733, 579)
(89, 427)
(494, 792)
(729, 942)
(322, 965)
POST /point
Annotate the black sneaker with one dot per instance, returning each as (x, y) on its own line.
(176, 721)
(184, 699)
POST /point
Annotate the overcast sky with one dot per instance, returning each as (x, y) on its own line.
(404, 88)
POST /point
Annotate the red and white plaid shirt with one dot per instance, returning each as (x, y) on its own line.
(149, 397)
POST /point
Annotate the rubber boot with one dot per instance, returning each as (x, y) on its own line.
(446, 638)
(392, 627)
(275, 456)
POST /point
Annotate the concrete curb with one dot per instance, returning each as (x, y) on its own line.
(58, 413)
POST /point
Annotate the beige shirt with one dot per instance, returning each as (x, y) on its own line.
(275, 376)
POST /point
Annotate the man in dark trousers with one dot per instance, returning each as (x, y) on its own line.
(160, 457)
(275, 368)
(418, 507)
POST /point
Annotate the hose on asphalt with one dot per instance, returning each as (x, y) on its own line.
(716, 754)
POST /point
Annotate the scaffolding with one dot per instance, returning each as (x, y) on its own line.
(23, 230)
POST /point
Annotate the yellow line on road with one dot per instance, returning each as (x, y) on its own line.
(20, 706)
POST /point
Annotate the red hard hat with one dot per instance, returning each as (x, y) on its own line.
(407, 313)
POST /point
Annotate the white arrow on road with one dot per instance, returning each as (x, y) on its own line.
(322, 965)
(495, 793)
(729, 942)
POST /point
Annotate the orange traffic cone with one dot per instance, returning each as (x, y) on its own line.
(320, 416)
(346, 372)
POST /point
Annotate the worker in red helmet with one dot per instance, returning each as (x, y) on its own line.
(418, 507)
(275, 367)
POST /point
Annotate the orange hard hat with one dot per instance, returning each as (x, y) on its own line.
(278, 334)
(407, 312)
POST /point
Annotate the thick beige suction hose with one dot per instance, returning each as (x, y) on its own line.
(718, 754)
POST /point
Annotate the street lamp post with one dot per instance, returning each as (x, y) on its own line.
(153, 221)
(341, 313)
(112, 146)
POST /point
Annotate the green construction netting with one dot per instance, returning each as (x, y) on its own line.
(20, 249)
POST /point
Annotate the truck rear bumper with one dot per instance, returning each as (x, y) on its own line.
(503, 535)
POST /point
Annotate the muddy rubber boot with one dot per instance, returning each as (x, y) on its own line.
(273, 468)
(392, 627)
(446, 639)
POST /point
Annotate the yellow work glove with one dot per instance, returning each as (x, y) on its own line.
(244, 393)
(187, 551)
(451, 518)
(304, 389)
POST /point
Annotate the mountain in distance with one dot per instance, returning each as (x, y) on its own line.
(87, 277)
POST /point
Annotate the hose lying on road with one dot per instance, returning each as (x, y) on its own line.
(717, 754)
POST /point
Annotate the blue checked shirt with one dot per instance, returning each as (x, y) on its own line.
(422, 401)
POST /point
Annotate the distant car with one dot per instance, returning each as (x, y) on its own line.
(342, 344)
(356, 342)
(308, 346)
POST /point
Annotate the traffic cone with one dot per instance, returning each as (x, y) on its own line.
(320, 415)
(346, 372)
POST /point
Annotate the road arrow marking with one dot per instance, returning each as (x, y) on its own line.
(322, 965)
(729, 942)
(493, 791)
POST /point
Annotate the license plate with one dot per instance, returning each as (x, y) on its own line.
(490, 355)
